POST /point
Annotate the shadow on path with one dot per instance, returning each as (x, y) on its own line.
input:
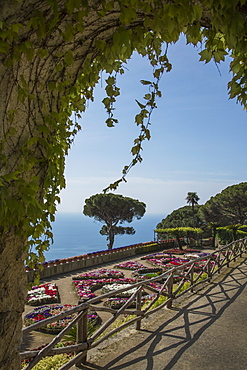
(166, 346)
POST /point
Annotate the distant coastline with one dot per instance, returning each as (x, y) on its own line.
(76, 234)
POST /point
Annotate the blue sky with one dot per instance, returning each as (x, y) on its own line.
(198, 137)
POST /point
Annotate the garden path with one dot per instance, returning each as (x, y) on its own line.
(207, 332)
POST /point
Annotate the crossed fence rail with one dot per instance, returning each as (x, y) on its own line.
(209, 265)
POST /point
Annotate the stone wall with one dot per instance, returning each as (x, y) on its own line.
(65, 265)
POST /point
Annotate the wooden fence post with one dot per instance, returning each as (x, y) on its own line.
(82, 328)
(234, 252)
(241, 249)
(138, 308)
(169, 290)
(218, 263)
(228, 258)
(192, 279)
(209, 268)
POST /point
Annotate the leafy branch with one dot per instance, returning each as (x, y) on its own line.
(160, 64)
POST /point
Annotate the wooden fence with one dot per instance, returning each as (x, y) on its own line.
(209, 265)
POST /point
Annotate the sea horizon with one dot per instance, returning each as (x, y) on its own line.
(75, 234)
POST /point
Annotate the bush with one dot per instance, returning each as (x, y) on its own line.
(147, 248)
(159, 301)
(71, 335)
(51, 362)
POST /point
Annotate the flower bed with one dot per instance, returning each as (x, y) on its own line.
(43, 312)
(158, 255)
(159, 262)
(177, 262)
(167, 263)
(42, 294)
(85, 288)
(130, 265)
(183, 251)
(100, 274)
(146, 273)
(156, 285)
(192, 256)
(112, 287)
(118, 302)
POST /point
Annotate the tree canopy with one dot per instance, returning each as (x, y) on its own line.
(228, 207)
(52, 53)
(178, 233)
(229, 233)
(114, 209)
(181, 217)
(223, 213)
(192, 199)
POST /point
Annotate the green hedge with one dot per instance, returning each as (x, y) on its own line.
(147, 248)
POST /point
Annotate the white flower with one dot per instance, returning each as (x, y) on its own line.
(112, 287)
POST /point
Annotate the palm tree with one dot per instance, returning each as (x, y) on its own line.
(192, 199)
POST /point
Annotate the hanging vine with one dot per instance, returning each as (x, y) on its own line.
(52, 53)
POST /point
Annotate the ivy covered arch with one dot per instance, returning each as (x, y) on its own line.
(51, 55)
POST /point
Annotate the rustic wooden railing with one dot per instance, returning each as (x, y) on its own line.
(209, 265)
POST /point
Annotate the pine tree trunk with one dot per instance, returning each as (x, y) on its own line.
(214, 237)
(110, 238)
(178, 243)
(234, 233)
(13, 288)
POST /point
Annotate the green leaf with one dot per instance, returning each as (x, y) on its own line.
(110, 122)
(15, 27)
(106, 102)
(144, 82)
(4, 47)
(140, 105)
(11, 115)
(147, 133)
(139, 118)
(147, 97)
(135, 149)
(110, 80)
(10, 177)
(31, 142)
(197, 10)
(206, 55)
(69, 58)
(219, 55)
(69, 32)
(24, 83)
(12, 130)
(125, 169)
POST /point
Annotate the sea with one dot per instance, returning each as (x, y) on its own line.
(75, 234)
